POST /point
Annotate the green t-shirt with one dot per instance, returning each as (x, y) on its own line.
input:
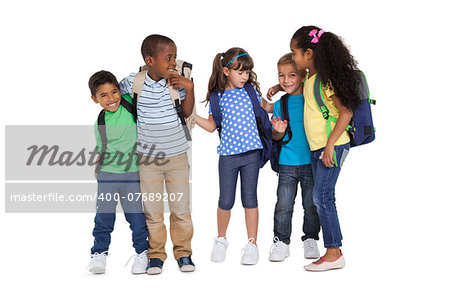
(121, 135)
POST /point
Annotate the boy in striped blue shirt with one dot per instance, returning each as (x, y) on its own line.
(162, 147)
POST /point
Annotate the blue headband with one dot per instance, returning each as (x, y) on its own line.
(235, 58)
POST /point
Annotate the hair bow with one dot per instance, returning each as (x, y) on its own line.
(316, 35)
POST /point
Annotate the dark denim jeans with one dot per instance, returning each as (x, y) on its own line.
(123, 187)
(324, 186)
(288, 179)
(247, 164)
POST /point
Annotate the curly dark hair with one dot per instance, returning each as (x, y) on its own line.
(333, 62)
(218, 80)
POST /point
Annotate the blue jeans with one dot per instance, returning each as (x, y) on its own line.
(123, 187)
(247, 164)
(288, 179)
(324, 186)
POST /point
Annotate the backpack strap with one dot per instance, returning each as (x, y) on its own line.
(102, 130)
(215, 110)
(138, 84)
(323, 108)
(285, 116)
(252, 94)
(184, 69)
(129, 106)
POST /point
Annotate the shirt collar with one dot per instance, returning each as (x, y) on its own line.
(150, 82)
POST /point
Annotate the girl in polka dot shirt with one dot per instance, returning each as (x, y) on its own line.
(240, 145)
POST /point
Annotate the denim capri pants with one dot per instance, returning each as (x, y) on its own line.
(247, 165)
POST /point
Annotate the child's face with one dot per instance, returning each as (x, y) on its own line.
(108, 96)
(289, 79)
(236, 78)
(163, 64)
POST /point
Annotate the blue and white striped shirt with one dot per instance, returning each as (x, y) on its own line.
(157, 123)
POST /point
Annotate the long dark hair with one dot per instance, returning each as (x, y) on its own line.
(333, 62)
(218, 80)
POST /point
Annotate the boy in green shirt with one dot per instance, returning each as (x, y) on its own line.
(117, 173)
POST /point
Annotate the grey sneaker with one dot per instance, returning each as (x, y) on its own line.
(98, 263)
(219, 250)
(140, 263)
(310, 248)
(251, 253)
(279, 250)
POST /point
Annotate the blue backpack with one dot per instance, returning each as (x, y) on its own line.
(361, 127)
(276, 145)
(261, 116)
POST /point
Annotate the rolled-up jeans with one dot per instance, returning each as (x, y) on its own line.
(323, 194)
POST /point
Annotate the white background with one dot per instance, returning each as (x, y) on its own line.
(392, 198)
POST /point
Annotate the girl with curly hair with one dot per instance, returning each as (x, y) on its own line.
(329, 60)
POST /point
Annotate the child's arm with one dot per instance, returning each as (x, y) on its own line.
(181, 82)
(266, 105)
(273, 90)
(341, 125)
(279, 128)
(207, 124)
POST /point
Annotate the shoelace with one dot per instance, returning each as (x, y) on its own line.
(276, 244)
(220, 244)
(249, 245)
(139, 257)
(96, 256)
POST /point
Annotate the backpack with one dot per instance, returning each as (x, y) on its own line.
(360, 128)
(185, 70)
(276, 145)
(261, 116)
(102, 128)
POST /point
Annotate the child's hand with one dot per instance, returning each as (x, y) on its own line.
(278, 124)
(327, 157)
(273, 90)
(180, 82)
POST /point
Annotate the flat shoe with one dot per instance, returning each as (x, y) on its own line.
(326, 265)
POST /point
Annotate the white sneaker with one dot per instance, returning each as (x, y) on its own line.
(310, 249)
(98, 263)
(140, 263)
(279, 250)
(219, 250)
(251, 253)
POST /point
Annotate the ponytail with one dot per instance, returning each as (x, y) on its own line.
(218, 80)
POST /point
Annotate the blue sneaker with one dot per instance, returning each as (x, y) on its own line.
(154, 266)
(186, 264)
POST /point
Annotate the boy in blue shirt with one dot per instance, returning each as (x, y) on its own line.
(161, 134)
(294, 166)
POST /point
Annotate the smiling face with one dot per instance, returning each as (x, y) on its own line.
(108, 96)
(289, 79)
(236, 78)
(163, 63)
